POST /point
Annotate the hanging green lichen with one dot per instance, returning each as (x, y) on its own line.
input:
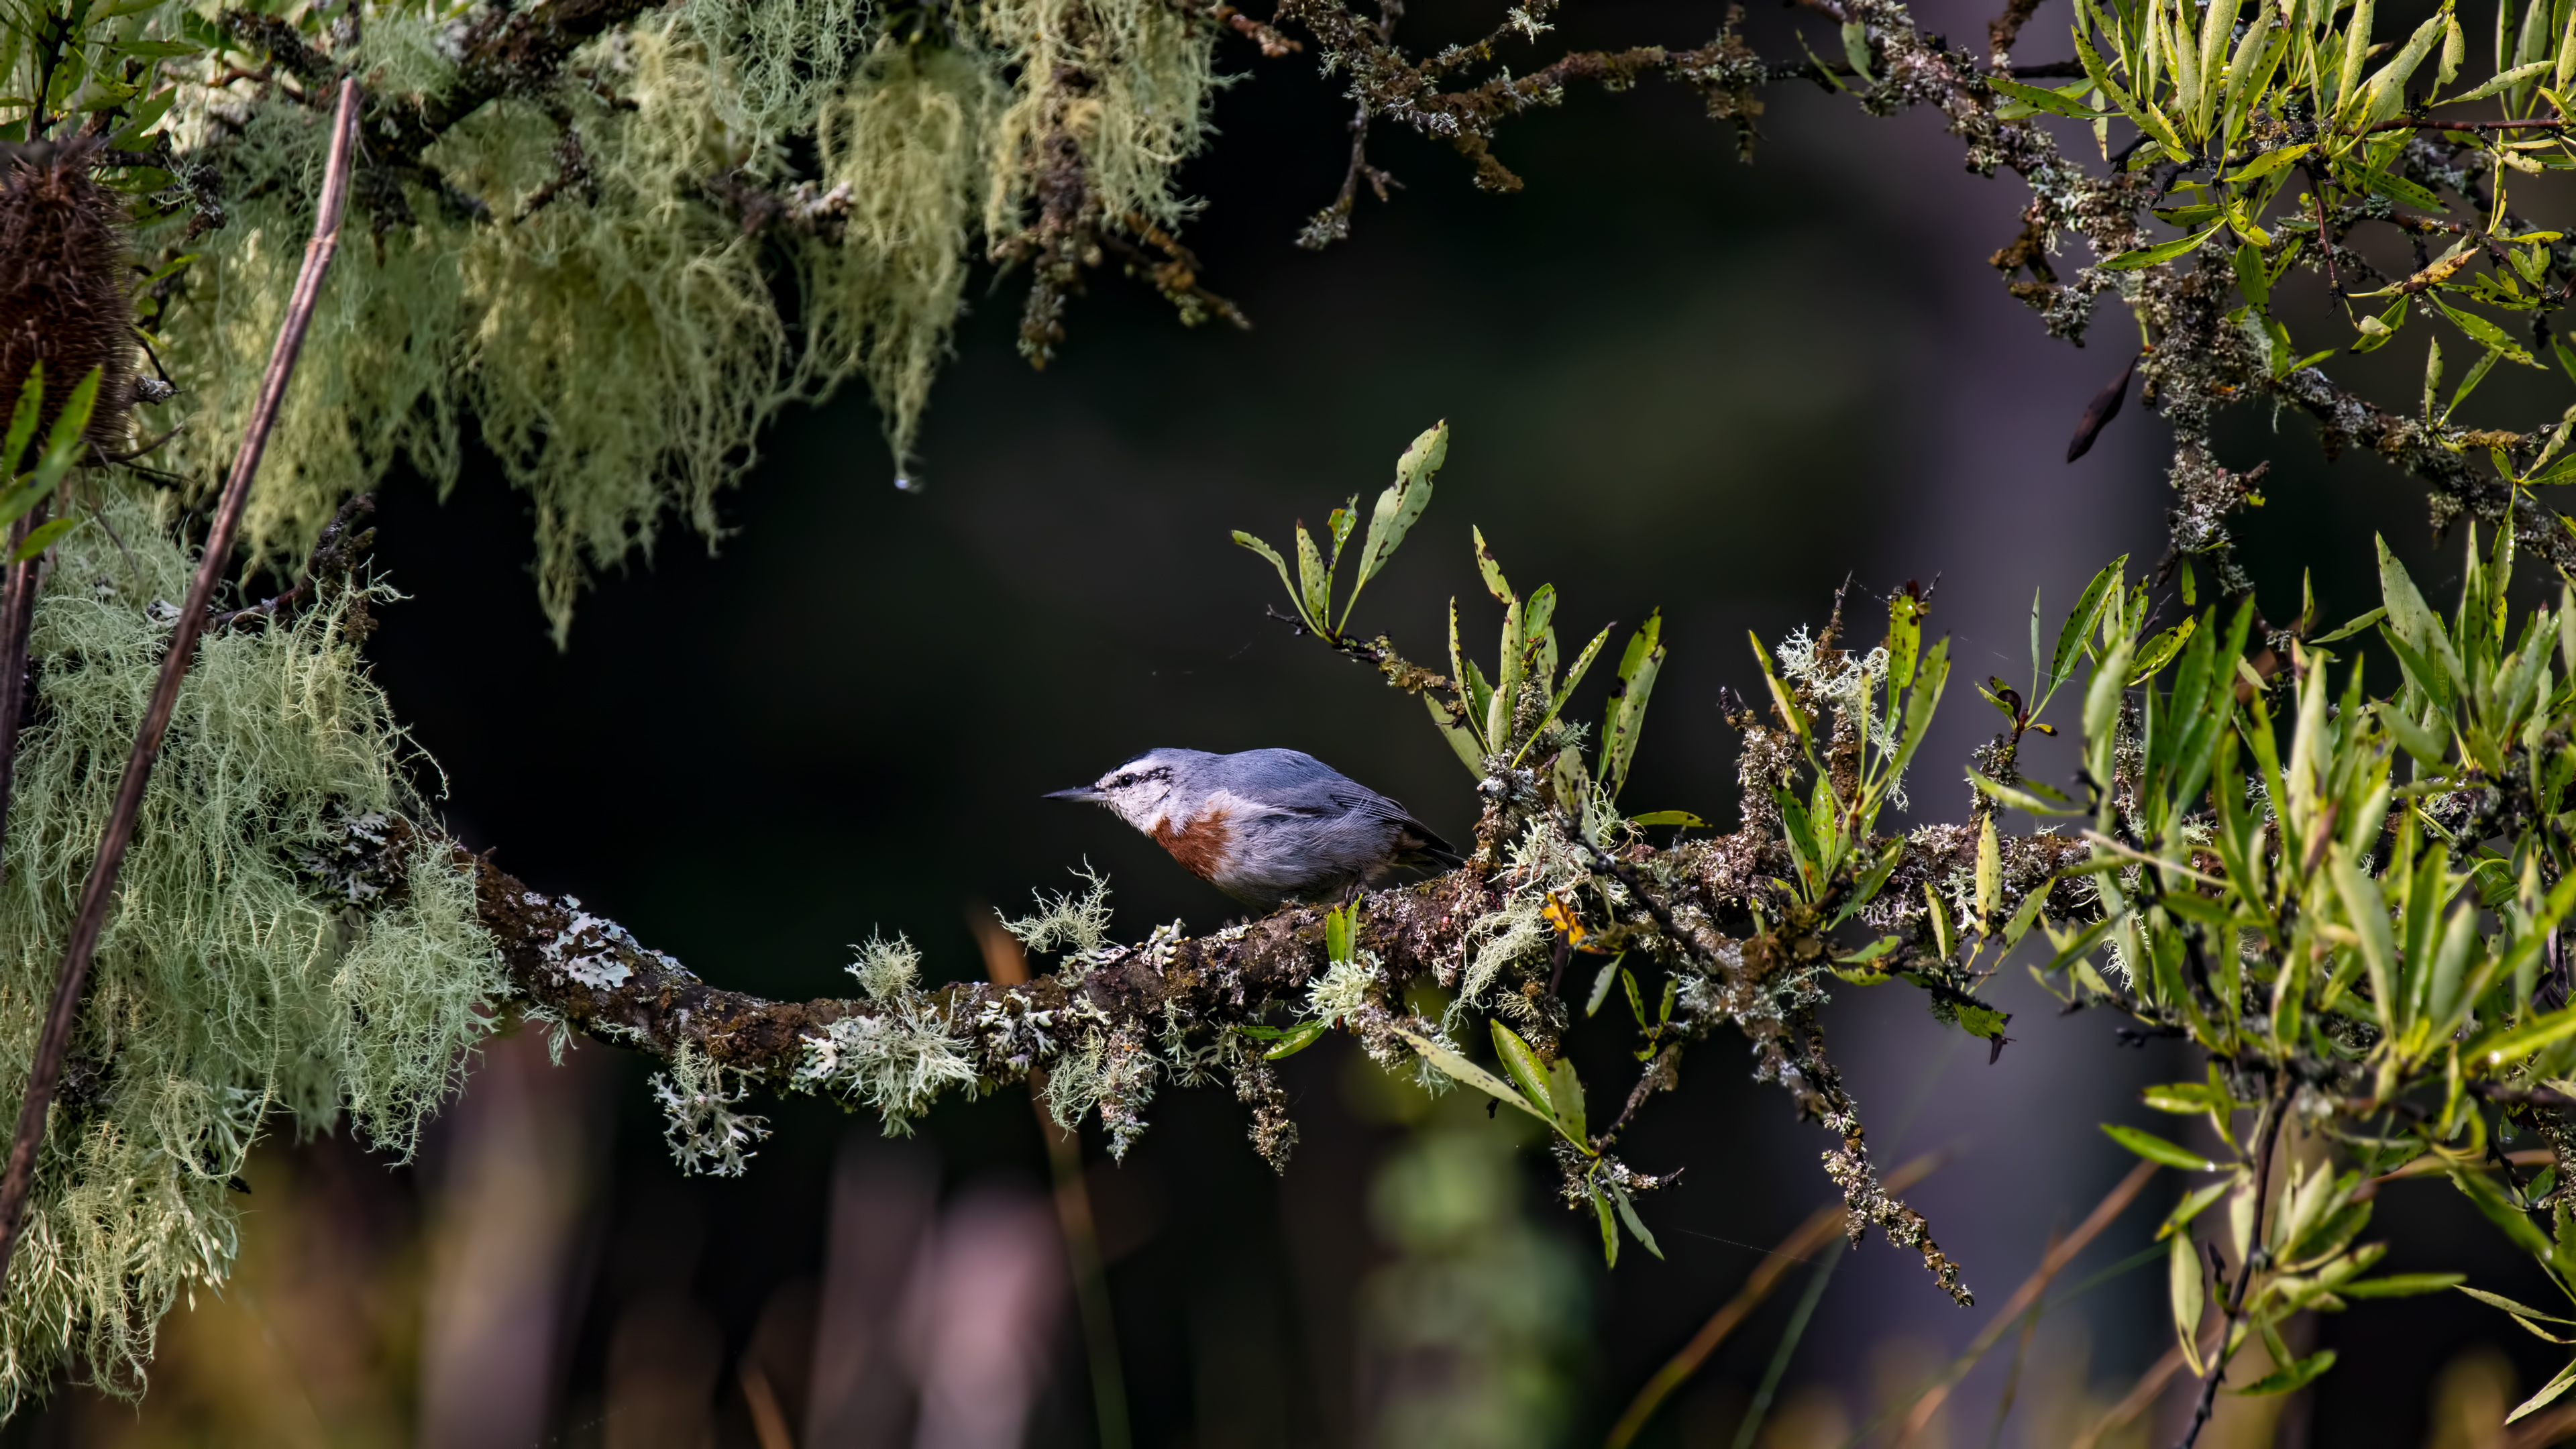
(903, 148)
(235, 979)
(587, 263)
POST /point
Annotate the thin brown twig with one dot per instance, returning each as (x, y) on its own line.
(1821, 1227)
(96, 892)
(1008, 965)
(2103, 1215)
(2274, 1113)
(333, 552)
(17, 613)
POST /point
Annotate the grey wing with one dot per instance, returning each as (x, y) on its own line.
(1415, 843)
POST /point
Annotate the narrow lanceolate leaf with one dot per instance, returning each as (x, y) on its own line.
(1989, 876)
(2189, 1298)
(2130, 261)
(1399, 506)
(63, 446)
(1525, 1069)
(2398, 1285)
(1638, 666)
(1314, 585)
(2385, 94)
(1276, 562)
(2079, 623)
(1628, 1215)
(2503, 81)
(2276, 159)
(2053, 102)
(2515, 1043)
(2548, 1394)
(42, 537)
(22, 421)
(2368, 912)
(1459, 1068)
(1565, 1094)
(2292, 1376)
(2156, 1149)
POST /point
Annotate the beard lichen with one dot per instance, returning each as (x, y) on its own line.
(588, 264)
(233, 983)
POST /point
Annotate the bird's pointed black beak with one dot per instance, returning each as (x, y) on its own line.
(1087, 793)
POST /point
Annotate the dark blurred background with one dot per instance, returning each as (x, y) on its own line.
(1673, 381)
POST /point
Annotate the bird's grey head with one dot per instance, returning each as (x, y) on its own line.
(1142, 790)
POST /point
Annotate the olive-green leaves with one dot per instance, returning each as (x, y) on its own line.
(65, 442)
(1311, 590)
(1397, 509)
(1626, 715)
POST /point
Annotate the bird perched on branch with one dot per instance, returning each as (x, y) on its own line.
(1267, 827)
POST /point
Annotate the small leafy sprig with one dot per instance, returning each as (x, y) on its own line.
(65, 445)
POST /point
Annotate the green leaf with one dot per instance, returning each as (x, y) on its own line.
(2483, 332)
(1609, 1229)
(2515, 1043)
(2188, 1296)
(22, 420)
(2056, 103)
(2032, 902)
(2398, 1285)
(2498, 1300)
(2160, 651)
(2292, 1377)
(2271, 161)
(2193, 1204)
(1565, 1094)
(2478, 1188)
(1266, 551)
(1628, 1215)
(2079, 623)
(42, 537)
(2355, 627)
(1341, 929)
(2156, 1149)
(1458, 1068)
(1399, 507)
(2501, 82)
(2130, 261)
(1666, 817)
(64, 444)
(1601, 985)
(1314, 586)
(2398, 188)
(2189, 1099)
(1521, 1063)
(1296, 1039)
(2548, 1392)
(1626, 717)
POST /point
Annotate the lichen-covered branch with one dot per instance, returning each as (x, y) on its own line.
(1113, 1021)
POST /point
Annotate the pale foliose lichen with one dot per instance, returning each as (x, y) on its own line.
(896, 1062)
(237, 982)
(705, 1134)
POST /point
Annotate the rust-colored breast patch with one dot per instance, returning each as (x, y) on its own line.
(1200, 845)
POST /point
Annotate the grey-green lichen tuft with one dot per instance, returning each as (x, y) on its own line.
(242, 980)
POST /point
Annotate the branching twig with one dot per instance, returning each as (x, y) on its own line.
(334, 553)
(2274, 1114)
(97, 891)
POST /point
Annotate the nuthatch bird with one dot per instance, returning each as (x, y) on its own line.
(1267, 827)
